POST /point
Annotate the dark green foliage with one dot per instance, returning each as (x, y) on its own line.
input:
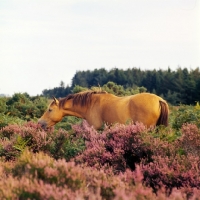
(60, 91)
(119, 90)
(186, 114)
(78, 88)
(67, 122)
(8, 119)
(66, 145)
(3, 106)
(180, 86)
(23, 106)
(19, 107)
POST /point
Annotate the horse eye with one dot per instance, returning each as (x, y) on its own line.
(50, 109)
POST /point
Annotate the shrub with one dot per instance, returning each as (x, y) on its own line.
(3, 106)
(119, 90)
(162, 160)
(120, 146)
(67, 123)
(59, 143)
(66, 145)
(14, 139)
(35, 174)
(172, 172)
(119, 162)
(26, 107)
(6, 119)
(190, 139)
(38, 176)
(185, 114)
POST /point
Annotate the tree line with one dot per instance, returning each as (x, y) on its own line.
(180, 86)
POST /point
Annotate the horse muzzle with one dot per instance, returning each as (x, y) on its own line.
(42, 123)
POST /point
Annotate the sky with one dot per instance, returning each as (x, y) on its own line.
(44, 42)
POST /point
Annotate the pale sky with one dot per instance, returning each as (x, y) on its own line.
(45, 41)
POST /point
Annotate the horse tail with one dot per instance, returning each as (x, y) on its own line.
(164, 112)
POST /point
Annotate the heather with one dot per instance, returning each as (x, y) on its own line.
(118, 162)
(39, 176)
(14, 139)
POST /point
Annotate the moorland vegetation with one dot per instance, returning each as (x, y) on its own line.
(74, 161)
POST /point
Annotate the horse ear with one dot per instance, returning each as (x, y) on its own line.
(56, 101)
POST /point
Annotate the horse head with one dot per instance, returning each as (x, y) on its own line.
(52, 115)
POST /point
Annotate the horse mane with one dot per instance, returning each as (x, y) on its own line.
(82, 98)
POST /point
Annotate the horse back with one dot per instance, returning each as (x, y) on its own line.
(149, 109)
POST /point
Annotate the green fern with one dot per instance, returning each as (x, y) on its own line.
(20, 143)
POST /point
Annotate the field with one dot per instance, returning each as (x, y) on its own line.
(74, 161)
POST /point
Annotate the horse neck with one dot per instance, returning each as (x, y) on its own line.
(74, 110)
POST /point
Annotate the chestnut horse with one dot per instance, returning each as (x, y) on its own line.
(98, 108)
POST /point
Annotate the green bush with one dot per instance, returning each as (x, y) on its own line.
(185, 114)
(24, 106)
(66, 145)
(7, 119)
(78, 88)
(119, 90)
(67, 122)
(3, 106)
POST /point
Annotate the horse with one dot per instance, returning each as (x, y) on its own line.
(99, 108)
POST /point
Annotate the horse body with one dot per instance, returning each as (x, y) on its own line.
(99, 108)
